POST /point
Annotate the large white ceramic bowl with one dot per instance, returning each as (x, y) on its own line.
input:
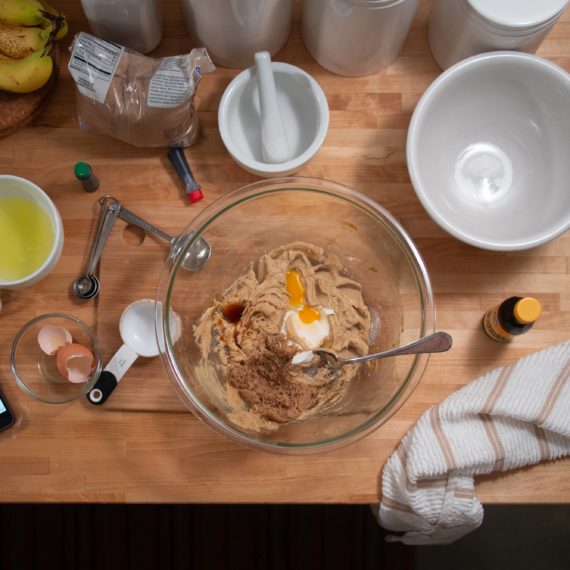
(16, 187)
(488, 150)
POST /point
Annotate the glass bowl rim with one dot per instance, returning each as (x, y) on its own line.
(248, 193)
(86, 386)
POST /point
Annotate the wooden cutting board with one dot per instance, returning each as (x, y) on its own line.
(466, 282)
(364, 149)
(79, 453)
(129, 271)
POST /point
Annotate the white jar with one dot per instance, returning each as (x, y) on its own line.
(356, 37)
(234, 30)
(136, 24)
(461, 28)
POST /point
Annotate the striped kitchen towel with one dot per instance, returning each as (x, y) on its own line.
(513, 416)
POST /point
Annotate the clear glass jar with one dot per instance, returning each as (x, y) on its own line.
(234, 30)
(136, 24)
(459, 29)
(356, 37)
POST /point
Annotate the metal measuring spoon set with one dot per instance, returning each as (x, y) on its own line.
(87, 286)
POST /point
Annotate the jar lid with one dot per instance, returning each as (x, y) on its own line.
(375, 3)
(82, 171)
(527, 310)
(518, 13)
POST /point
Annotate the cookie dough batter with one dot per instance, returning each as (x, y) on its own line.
(294, 298)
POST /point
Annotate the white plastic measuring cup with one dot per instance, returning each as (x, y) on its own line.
(138, 331)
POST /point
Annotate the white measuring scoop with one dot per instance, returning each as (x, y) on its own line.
(138, 331)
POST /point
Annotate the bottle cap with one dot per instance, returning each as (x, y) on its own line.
(195, 195)
(527, 310)
(82, 171)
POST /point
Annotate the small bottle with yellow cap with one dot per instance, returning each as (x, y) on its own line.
(514, 316)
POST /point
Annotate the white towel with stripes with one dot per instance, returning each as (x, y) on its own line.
(511, 417)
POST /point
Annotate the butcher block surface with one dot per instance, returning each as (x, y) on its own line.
(143, 445)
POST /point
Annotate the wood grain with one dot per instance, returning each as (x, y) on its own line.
(127, 452)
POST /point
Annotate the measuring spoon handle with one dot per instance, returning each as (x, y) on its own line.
(108, 213)
(105, 384)
(111, 375)
(131, 218)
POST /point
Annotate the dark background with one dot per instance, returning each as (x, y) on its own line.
(174, 537)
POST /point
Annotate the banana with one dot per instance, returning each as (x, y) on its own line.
(28, 29)
(27, 74)
(62, 32)
(19, 41)
(22, 12)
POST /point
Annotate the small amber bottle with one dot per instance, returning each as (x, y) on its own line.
(514, 316)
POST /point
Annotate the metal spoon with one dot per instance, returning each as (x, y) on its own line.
(436, 342)
(195, 257)
(87, 286)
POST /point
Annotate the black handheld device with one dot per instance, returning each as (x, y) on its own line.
(6, 417)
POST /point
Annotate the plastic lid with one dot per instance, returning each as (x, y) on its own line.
(82, 171)
(518, 13)
(375, 3)
(527, 310)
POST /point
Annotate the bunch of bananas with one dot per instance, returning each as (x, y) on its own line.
(28, 30)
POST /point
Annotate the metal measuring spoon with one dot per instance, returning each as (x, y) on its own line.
(87, 286)
(436, 342)
(139, 335)
(195, 257)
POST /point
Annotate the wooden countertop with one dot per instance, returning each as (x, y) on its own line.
(77, 452)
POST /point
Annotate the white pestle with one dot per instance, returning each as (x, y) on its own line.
(274, 144)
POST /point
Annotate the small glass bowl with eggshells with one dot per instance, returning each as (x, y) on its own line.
(56, 358)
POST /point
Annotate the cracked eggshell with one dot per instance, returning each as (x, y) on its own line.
(52, 338)
(75, 362)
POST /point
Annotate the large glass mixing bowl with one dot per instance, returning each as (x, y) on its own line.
(375, 250)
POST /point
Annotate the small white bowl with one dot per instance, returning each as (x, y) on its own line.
(304, 110)
(16, 187)
(488, 150)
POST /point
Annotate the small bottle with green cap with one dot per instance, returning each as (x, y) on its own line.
(514, 316)
(84, 173)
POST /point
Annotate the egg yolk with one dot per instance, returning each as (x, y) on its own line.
(296, 293)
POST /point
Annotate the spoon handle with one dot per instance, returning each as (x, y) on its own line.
(111, 375)
(107, 215)
(436, 342)
(131, 218)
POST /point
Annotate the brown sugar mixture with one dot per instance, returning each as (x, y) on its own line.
(264, 383)
(249, 336)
